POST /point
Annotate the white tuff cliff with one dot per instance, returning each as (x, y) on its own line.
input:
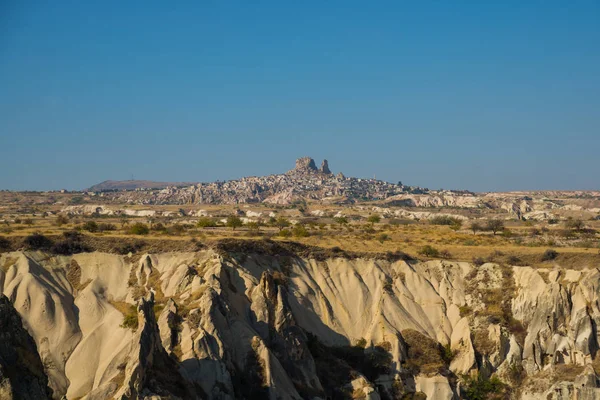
(282, 326)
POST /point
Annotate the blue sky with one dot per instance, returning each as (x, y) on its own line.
(447, 94)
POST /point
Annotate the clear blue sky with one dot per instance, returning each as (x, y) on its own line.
(480, 95)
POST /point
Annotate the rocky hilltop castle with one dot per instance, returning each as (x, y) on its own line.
(304, 182)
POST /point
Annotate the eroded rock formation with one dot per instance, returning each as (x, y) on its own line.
(245, 324)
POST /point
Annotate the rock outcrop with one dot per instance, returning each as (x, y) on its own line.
(265, 323)
(305, 165)
(22, 375)
(325, 168)
(150, 372)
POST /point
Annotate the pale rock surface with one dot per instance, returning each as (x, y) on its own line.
(434, 387)
(227, 314)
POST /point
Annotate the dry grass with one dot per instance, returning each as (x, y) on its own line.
(129, 311)
(74, 277)
(424, 353)
(357, 236)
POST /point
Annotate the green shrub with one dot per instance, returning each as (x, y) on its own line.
(507, 233)
(480, 388)
(233, 221)
(446, 220)
(253, 227)
(70, 245)
(90, 226)
(513, 260)
(429, 251)
(465, 310)
(77, 200)
(494, 225)
(139, 229)
(206, 222)
(478, 261)
(127, 248)
(374, 219)
(130, 320)
(299, 231)
(106, 227)
(159, 227)
(37, 241)
(281, 223)
(549, 255)
(61, 220)
(445, 254)
(176, 229)
(341, 220)
(382, 237)
(286, 233)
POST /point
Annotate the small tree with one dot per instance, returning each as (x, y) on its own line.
(61, 220)
(476, 227)
(299, 231)
(233, 221)
(282, 222)
(383, 237)
(206, 222)
(28, 222)
(90, 226)
(495, 225)
(549, 255)
(139, 229)
(285, 233)
(575, 224)
(124, 220)
(341, 221)
(253, 227)
(429, 251)
(373, 219)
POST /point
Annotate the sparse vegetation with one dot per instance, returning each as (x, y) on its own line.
(549, 255)
(299, 230)
(71, 244)
(139, 228)
(373, 219)
(481, 388)
(281, 223)
(452, 222)
(233, 222)
(37, 241)
(130, 314)
(61, 220)
(494, 225)
(206, 222)
(425, 355)
(90, 226)
(429, 251)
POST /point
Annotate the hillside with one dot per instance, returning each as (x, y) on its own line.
(108, 186)
(305, 182)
